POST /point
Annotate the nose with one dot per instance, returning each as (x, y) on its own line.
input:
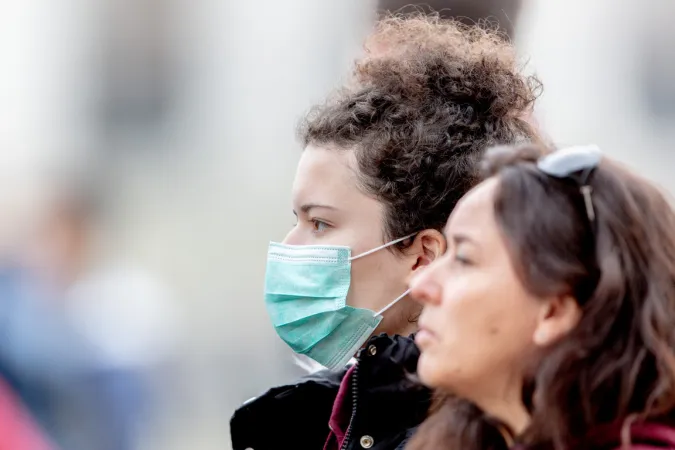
(289, 238)
(293, 237)
(424, 285)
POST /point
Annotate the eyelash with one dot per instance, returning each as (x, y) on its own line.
(463, 261)
(317, 224)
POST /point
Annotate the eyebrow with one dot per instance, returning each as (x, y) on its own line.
(459, 238)
(309, 206)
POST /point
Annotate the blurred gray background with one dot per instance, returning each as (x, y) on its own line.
(181, 114)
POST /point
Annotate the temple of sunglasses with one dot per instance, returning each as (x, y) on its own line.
(576, 163)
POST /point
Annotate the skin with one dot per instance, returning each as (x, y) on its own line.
(480, 326)
(331, 209)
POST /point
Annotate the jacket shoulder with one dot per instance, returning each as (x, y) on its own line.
(297, 412)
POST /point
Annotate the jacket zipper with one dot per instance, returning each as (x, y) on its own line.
(354, 380)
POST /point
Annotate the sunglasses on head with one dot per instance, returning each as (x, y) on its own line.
(575, 163)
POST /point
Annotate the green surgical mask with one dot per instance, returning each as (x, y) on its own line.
(305, 294)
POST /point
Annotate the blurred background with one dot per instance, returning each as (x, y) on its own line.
(147, 150)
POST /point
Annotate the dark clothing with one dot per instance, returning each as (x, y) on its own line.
(644, 436)
(384, 404)
(341, 416)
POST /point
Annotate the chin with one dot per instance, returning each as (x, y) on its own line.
(426, 371)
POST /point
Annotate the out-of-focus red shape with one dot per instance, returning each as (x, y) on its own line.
(18, 431)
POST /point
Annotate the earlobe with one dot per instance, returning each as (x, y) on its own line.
(421, 262)
(427, 247)
(541, 337)
(558, 318)
(433, 244)
(541, 333)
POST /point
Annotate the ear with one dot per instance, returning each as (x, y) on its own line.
(558, 316)
(427, 246)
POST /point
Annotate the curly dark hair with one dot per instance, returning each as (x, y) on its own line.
(617, 365)
(502, 14)
(427, 99)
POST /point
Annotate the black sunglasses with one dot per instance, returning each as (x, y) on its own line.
(575, 163)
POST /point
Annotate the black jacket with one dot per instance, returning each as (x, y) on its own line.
(387, 405)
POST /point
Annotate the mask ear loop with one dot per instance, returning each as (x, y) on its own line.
(377, 249)
(383, 310)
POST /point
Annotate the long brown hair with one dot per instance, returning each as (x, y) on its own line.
(618, 364)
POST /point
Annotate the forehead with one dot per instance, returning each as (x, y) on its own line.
(474, 213)
(325, 175)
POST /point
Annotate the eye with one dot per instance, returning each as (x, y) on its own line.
(462, 258)
(319, 226)
(463, 261)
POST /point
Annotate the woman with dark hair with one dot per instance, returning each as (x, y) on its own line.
(385, 160)
(551, 317)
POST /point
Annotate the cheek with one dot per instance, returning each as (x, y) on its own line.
(470, 312)
(511, 317)
(459, 324)
(483, 325)
(376, 280)
(432, 370)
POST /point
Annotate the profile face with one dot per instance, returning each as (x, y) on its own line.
(478, 320)
(331, 209)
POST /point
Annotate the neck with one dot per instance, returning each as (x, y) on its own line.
(509, 409)
(409, 329)
(515, 416)
(401, 319)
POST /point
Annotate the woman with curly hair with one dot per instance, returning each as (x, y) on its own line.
(385, 160)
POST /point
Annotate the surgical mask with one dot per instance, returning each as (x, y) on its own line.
(306, 297)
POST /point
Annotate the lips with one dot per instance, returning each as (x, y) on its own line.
(424, 337)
